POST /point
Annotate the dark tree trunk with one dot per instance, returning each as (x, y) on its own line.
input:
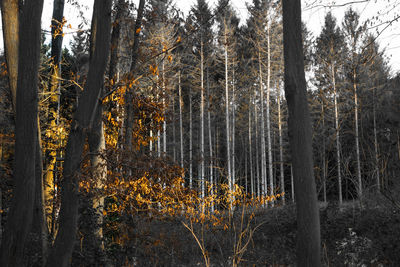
(81, 125)
(300, 138)
(26, 140)
(128, 96)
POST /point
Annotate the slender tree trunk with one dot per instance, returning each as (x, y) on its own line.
(269, 143)
(264, 186)
(173, 129)
(256, 143)
(300, 137)
(54, 105)
(165, 105)
(210, 142)
(359, 190)
(338, 159)
(282, 174)
(82, 122)
(251, 152)
(228, 151)
(180, 117)
(323, 149)
(378, 180)
(190, 141)
(202, 119)
(233, 127)
(20, 214)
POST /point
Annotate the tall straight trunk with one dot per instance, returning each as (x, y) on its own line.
(359, 190)
(20, 214)
(180, 117)
(227, 128)
(378, 180)
(282, 174)
(338, 159)
(173, 129)
(300, 138)
(83, 120)
(323, 150)
(190, 140)
(54, 105)
(210, 142)
(256, 143)
(164, 104)
(10, 21)
(269, 143)
(251, 152)
(233, 127)
(264, 186)
(202, 119)
(128, 95)
(115, 38)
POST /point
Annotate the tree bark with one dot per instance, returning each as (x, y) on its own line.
(262, 132)
(300, 138)
(10, 21)
(228, 152)
(269, 143)
(128, 95)
(338, 159)
(82, 124)
(282, 174)
(54, 104)
(26, 141)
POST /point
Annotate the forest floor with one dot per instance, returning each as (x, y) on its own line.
(351, 236)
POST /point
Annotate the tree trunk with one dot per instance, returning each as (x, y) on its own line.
(54, 105)
(210, 143)
(128, 95)
(300, 138)
(338, 159)
(378, 180)
(26, 129)
(323, 149)
(228, 152)
(262, 132)
(359, 190)
(233, 127)
(10, 21)
(82, 123)
(180, 117)
(115, 37)
(190, 140)
(269, 143)
(281, 146)
(251, 153)
(256, 141)
(202, 120)
(165, 110)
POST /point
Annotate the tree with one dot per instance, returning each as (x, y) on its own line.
(299, 124)
(89, 102)
(329, 54)
(354, 31)
(21, 210)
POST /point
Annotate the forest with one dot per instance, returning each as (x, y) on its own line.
(163, 138)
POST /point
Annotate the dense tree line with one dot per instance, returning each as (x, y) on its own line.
(190, 102)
